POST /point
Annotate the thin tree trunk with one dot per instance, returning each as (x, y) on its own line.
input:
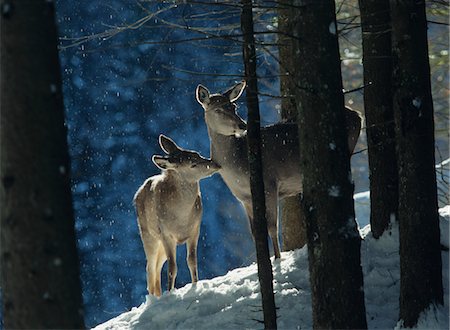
(333, 238)
(420, 255)
(379, 113)
(293, 229)
(256, 171)
(39, 264)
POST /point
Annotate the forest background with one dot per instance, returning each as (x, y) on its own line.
(125, 86)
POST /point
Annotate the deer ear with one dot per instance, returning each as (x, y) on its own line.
(167, 144)
(161, 162)
(202, 94)
(236, 91)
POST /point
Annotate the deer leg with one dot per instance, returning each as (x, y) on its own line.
(150, 247)
(161, 258)
(353, 126)
(191, 246)
(249, 210)
(151, 276)
(272, 221)
(170, 247)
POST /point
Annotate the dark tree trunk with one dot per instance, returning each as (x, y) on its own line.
(256, 171)
(420, 255)
(379, 113)
(333, 238)
(293, 229)
(39, 264)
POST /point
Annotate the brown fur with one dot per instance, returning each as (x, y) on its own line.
(169, 211)
(280, 153)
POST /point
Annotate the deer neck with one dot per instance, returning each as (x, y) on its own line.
(231, 154)
(187, 190)
(228, 150)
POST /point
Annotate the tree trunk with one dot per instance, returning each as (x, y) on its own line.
(293, 229)
(39, 265)
(333, 238)
(256, 171)
(379, 113)
(420, 255)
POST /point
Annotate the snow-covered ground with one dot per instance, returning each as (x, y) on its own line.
(233, 301)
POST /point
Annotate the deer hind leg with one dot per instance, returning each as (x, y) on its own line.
(191, 258)
(272, 220)
(353, 126)
(249, 210)
(170, 248)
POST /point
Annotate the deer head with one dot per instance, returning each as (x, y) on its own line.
(189, 164)
(220, 110)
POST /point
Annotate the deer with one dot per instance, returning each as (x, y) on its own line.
(169, 211)
(279, 148)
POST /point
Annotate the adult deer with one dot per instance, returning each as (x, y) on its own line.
(280, 153)
(169, 211)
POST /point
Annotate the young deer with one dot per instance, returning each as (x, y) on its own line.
(169, 211)
(280, 153)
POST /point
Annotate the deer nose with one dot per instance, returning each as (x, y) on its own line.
(215, 166)
(242, 126)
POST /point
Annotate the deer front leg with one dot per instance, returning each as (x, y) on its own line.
(160, 259)
(272, 220)
(191, 246)
(170, 247)
(150, 249)
(151, 276)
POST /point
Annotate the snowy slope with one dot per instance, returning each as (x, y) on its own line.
(233, 301)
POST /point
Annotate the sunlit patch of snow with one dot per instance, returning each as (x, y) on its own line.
(233, 301)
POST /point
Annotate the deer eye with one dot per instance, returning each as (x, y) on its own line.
(193, 165)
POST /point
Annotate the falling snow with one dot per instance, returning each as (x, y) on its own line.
(118, 100)
(417, 102)
(332, 28)
(334, 191)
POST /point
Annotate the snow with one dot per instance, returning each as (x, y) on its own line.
(444, 220)
(53, 88)
(334, 191)
(6, 9)
(332, 28)
(233, 301)
(417, 102)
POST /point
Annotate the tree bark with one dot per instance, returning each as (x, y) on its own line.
(256, 171)
(379, 113)
(420, 255)
(333, 238)
(293, 229)
(39, 264)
